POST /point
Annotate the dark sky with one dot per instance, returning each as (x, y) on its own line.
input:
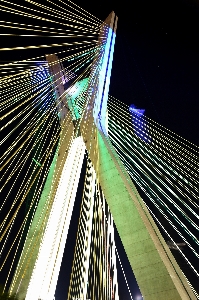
(156, 67)
(156, 61)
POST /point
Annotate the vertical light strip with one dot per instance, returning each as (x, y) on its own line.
(102, 76)
(45, 274)
(103, 111)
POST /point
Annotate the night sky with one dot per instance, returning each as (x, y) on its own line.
(156, 67)
(156, 60)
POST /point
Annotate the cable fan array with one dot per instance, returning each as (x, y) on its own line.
(95, 246)
(164, 168)
(30, 131)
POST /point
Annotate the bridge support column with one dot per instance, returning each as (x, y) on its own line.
(157, 273)
(34, 239)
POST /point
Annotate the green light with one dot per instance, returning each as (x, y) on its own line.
(74, 95)
(37, 163)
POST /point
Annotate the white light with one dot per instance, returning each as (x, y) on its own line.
(138, 297)
(45, 274)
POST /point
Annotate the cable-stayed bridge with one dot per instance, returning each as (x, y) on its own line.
(53, 110)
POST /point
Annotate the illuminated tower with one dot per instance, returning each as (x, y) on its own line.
(44, 244)
(157, 273)
(38, 268)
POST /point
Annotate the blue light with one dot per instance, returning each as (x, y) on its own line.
(139, 123)
(104, 72)
(40, 79)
